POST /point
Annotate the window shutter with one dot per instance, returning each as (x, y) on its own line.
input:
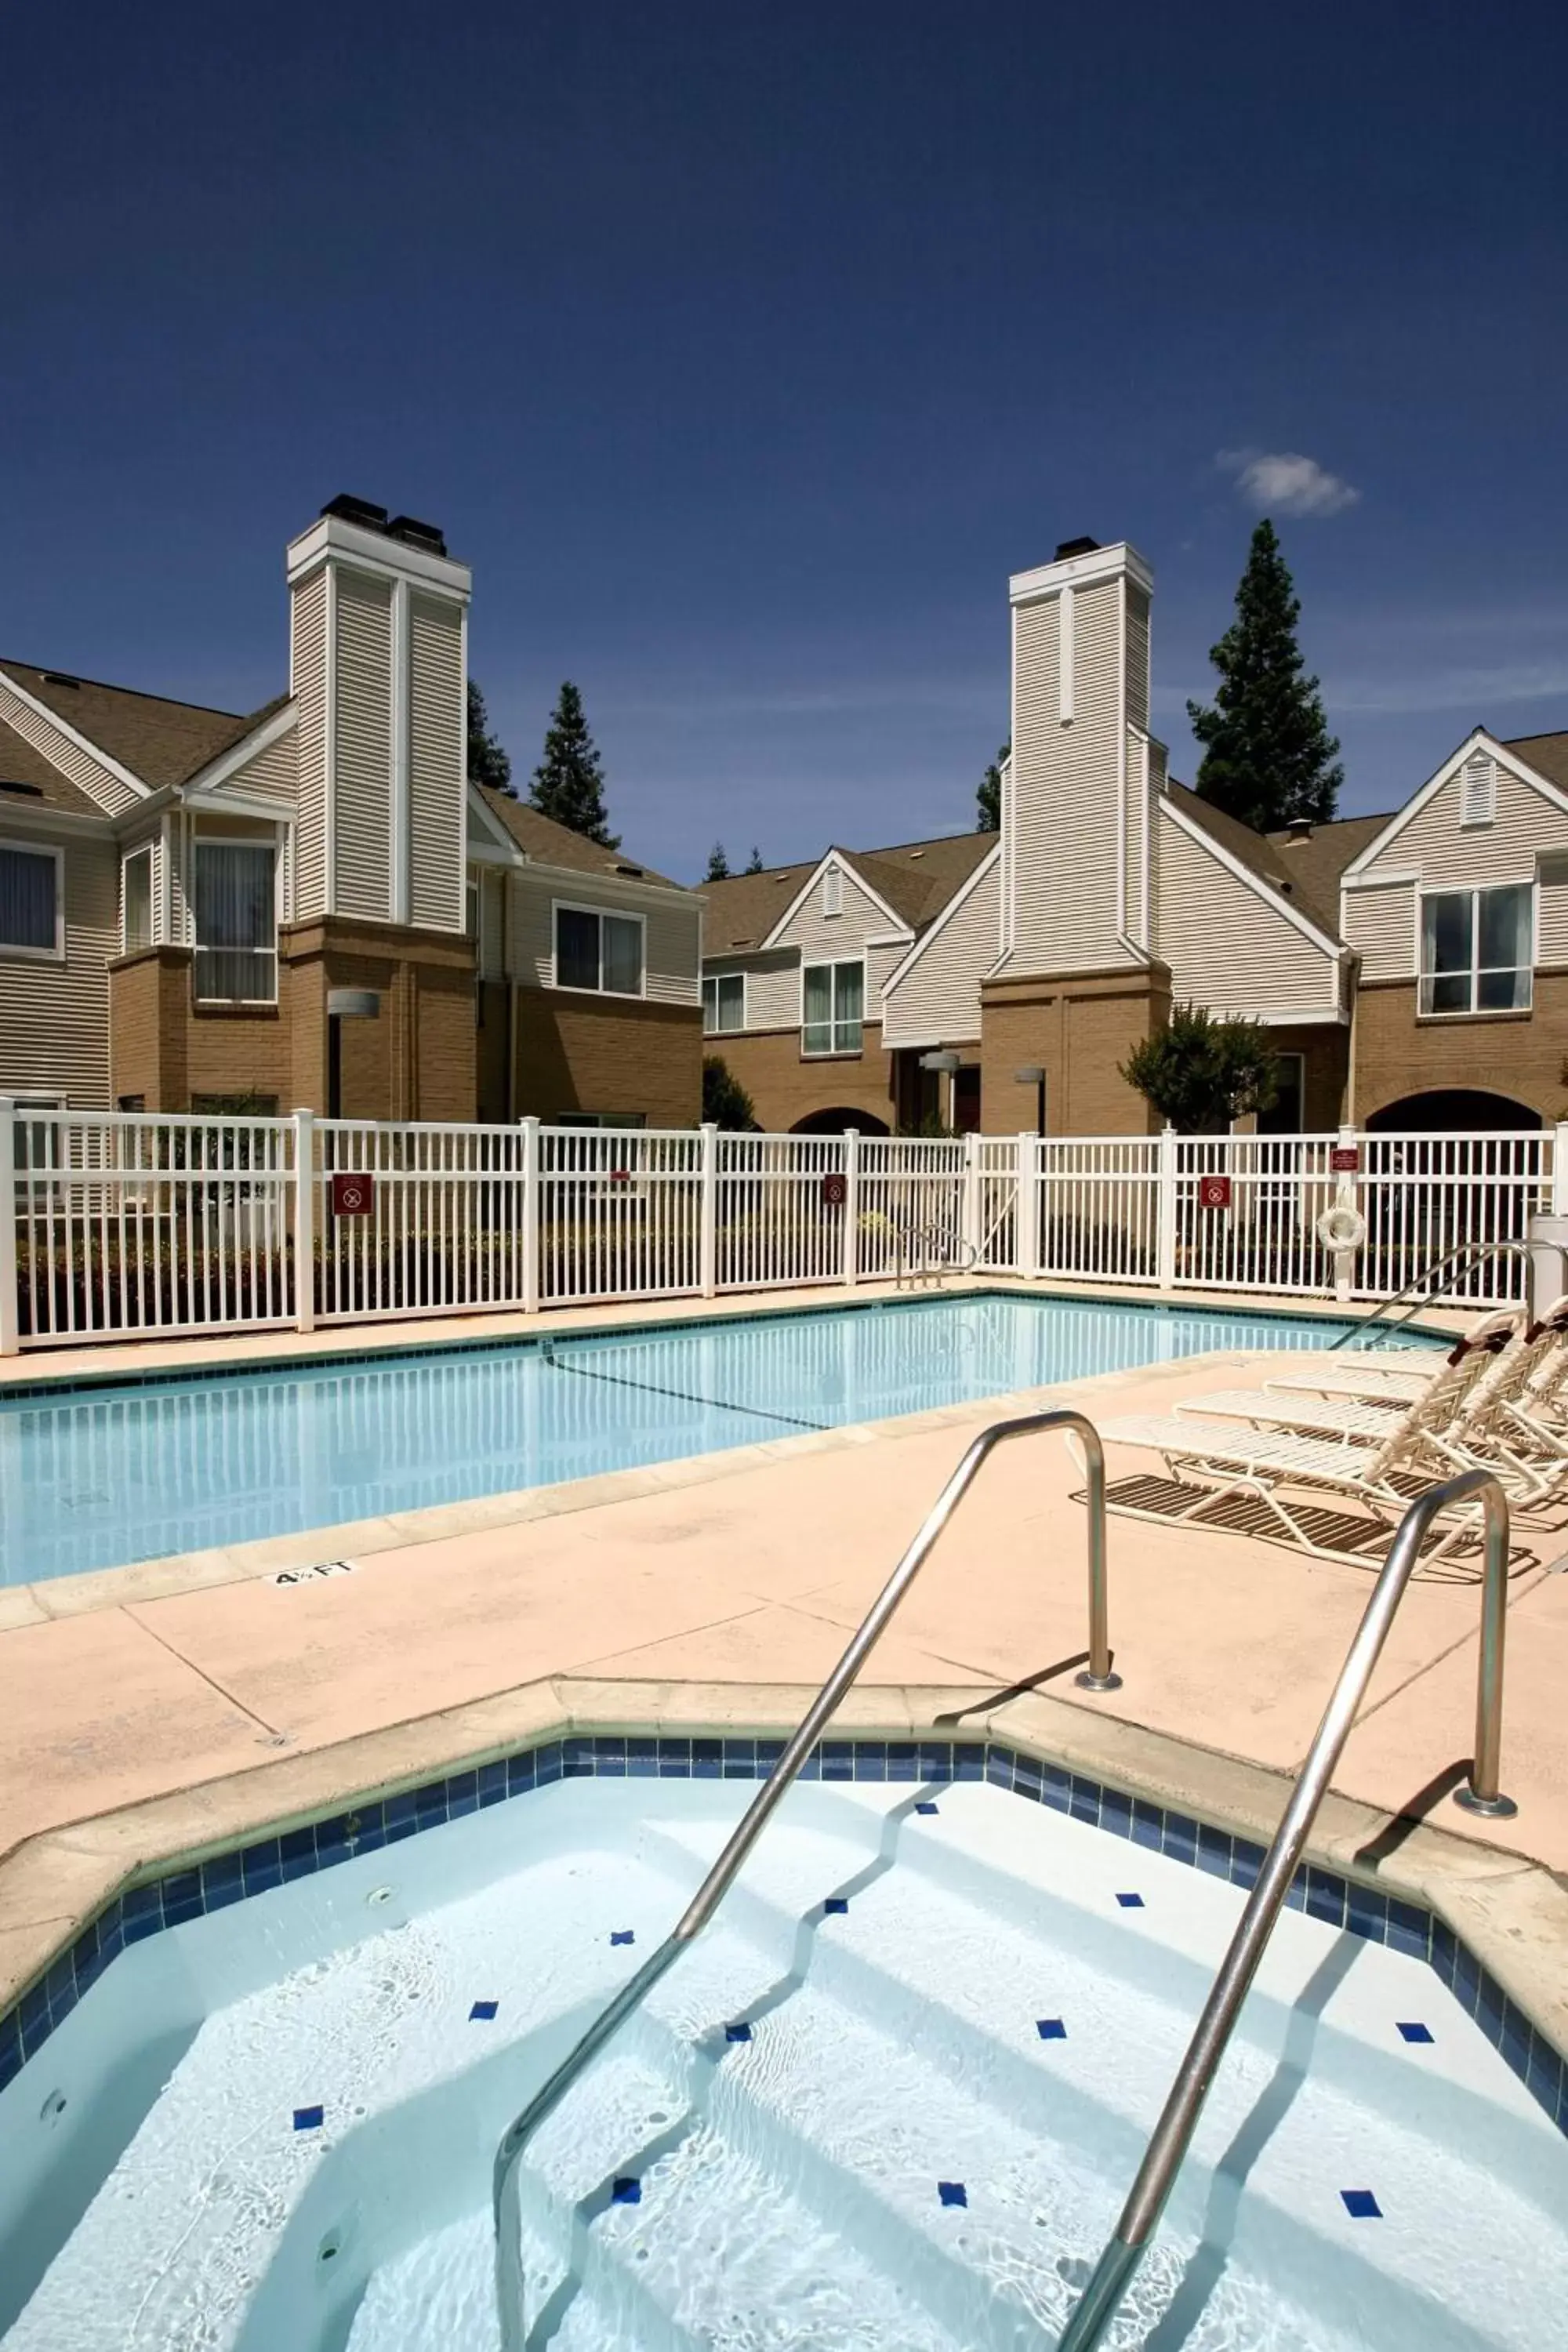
(1477, 790)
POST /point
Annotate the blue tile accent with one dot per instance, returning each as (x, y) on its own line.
(1362, 2205)
(622, 1935)
(309, 2118)
(1051, 2028)
(741, 2032)
(1414, 2032)
(627, 2192)
(482, 2011)
(267, 1862)
(952, 2192)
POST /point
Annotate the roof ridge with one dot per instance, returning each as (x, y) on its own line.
(108, 686)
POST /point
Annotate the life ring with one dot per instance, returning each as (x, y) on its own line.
(1341, 1227)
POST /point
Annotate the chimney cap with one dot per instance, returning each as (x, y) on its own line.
(1075, 547)
(413, 533)
(364, 511)
(1299, 828)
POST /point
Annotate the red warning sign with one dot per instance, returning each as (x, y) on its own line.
(1345, 1159)
(835, 1191)
(352, 1196)
(1214, 1192)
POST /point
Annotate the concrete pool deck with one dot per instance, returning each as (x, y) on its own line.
(142, 1722)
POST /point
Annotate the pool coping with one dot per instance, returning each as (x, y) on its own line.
(1509, 1913)
(352, 1541)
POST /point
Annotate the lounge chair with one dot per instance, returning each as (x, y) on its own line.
(1436, 1404)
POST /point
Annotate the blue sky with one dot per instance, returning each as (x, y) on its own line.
(745, 352)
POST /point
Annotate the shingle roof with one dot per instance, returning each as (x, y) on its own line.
(551, 843)
(20, 765)
(917, 879)
(163, 742)
(1304, 872)
(1547, 754)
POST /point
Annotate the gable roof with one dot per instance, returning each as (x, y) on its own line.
(549, 843)
(916, 878)
(161, 741)
(1547, 754)
(20, 765)
(1305, 873)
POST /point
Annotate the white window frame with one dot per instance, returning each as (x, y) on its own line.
(712, 979)
(57, 954)
(1475, 891)
(143, 849)
(835, 964)
(618, 914)
(198, 841)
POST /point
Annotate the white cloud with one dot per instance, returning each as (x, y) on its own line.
(1284, 482)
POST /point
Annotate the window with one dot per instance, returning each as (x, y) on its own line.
(136, 901)
(723, 1001)
(235, 905)
(608, 1118)
(30, 901)
(598, 951)
(1476, 950)
(833, 891)
(1284, 1115)
(833, 1006)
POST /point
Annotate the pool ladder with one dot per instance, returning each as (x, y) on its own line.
(1096, 1675)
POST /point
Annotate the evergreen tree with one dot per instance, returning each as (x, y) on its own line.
(718, 865)
(988, 794)
(725, 1102)
(569, 782)
(488, 761)
(753, 864)
(1267, 753)
(1200, 1072)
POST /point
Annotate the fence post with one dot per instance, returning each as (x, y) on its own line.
(304, 1220)
(10, 1304)
(1559, 1170)
(529, 1216)
(969, 1206)
(707, 1254)
(851, 1207)
(1166, 1258)
(1026, 1208)
(1344, 1260)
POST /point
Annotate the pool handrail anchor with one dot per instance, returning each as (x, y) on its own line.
(1167, 2148)
(1097, 1676)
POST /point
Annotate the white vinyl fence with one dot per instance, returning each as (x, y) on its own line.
(173, 1225)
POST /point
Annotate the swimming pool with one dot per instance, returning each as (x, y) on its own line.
(890, 2102)
(102, 1475)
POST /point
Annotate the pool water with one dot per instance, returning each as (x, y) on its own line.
(102, 1475)
(890, 2102)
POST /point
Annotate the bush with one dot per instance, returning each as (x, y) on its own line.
(1200, 1072)
(725, 1102)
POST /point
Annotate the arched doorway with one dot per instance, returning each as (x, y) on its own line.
(1453, 1110)
(833, 1122)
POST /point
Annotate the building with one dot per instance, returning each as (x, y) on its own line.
(311, 905)
(1413, 967)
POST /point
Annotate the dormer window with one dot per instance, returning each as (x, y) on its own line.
(1477, 790)
(833, 891)
(1476, 950)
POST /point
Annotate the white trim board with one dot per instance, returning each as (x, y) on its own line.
(249, 747)
(992, 858)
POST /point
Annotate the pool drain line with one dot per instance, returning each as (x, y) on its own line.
(686, 1396)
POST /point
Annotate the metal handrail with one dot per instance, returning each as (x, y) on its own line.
(1172, 2133)
(1097, 1676)
(928, 1268)
(1480, 1253)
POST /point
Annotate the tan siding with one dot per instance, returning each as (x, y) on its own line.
(86, 774)
(1064, 788)
(673, 952)
(362, 720)
(773, 985)
(939, 995)
(835, 939)
(671, 936)
(273, 775)
(533, 949)
(881, 963)
(54, 1018)
(179, 900)
(1227, 948)
(1381, 926)
(437, 784)
(1137, 656)
(1552, 918)
(1434, 845)
(309, 670)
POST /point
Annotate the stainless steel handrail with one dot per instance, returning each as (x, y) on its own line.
(1469, 1252)
(1173, 2136)
(1097, 1676)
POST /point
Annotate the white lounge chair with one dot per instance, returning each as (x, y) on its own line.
(1436, 1404)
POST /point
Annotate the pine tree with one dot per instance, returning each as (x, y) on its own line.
(753, 864)
(988, 794)
(569, 782)
(1267, 753)
(488, 761)
(718, 865)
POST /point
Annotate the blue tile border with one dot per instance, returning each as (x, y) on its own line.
(189, 1892)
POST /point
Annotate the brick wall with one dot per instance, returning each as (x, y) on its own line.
(787, 1087)
(1519, 1056)
(611, 1055)
(1077, 1029)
